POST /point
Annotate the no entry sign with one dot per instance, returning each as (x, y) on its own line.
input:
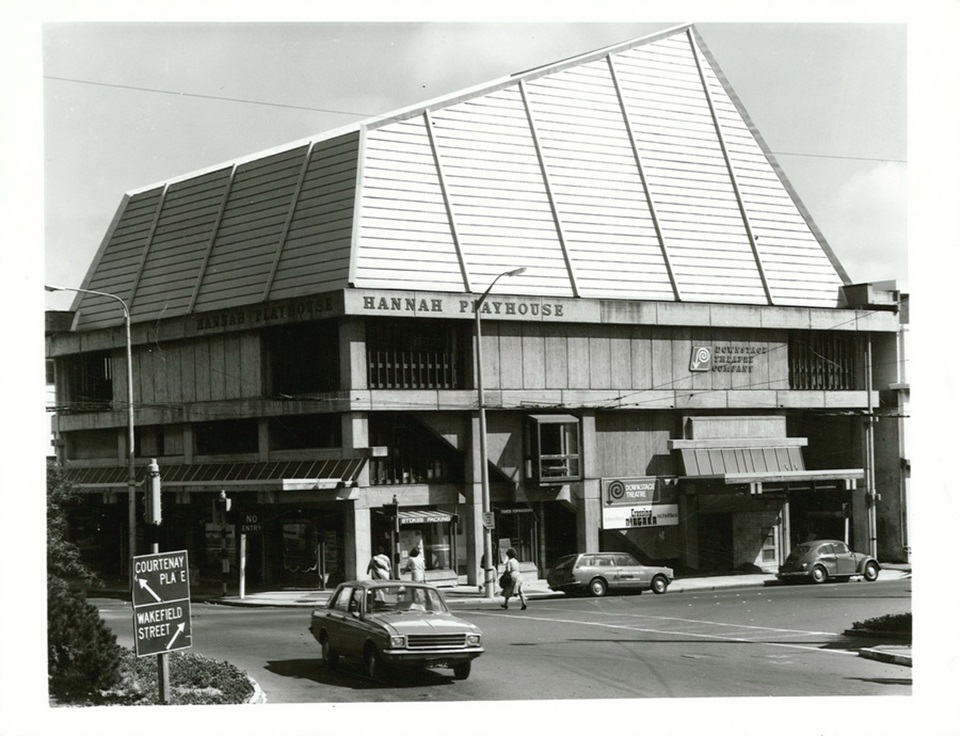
(161, 603)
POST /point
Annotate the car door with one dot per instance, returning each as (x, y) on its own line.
(587, 569)
(827, 557)
(353, 627)
(846, 560)
(334, 618)
(630, 573)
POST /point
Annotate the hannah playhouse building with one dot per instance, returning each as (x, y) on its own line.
(672, 361)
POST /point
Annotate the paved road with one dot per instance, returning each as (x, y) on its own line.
(783, 641)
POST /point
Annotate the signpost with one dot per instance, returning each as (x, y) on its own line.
(161, 603)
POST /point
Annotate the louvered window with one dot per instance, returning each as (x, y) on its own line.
(825, 361)
(407, 354)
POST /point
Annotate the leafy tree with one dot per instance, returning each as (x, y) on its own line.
(82, 653)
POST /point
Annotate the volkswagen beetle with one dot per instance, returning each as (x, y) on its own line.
(393, 623)
(822, 559)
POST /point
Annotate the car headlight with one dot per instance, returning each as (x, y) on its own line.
(398, 642)
(473, 640)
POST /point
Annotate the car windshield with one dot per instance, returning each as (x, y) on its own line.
(400, 598)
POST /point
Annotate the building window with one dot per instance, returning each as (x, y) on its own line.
(89, 382)
(825, 361)
(304, 359)
(228, 437)
(406, 353)
(415, 455)
(149, 441)
(304, 432)
(553, 448)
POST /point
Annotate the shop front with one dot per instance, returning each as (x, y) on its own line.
(431, 530)
(640, 515)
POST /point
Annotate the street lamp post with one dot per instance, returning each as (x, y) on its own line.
(131, 464)
(488, 582)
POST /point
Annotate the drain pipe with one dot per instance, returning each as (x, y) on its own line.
(872, 496)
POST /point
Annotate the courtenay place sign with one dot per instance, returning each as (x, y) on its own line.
(161, 603)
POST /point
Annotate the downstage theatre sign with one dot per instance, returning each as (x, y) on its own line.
(639, 503)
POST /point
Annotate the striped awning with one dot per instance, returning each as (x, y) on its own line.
(425, 517)
(292, 475)
(768, 465)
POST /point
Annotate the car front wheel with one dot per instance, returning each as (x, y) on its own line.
(372, 666)
(598, 587)
(330, 657)
(659, 585)
(818, 574)
(461, 671)
(871, 572)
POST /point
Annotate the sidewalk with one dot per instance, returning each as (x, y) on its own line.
(900, 654)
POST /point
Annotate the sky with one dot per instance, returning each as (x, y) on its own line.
(127, 105)
(859, 101)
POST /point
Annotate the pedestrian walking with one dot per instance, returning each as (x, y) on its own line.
(380, 567)
(415, 566)
(511, 576)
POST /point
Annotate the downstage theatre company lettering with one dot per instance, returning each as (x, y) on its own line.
(725, 358)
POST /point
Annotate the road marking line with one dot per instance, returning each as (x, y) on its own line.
(719, 623)
(717, 637)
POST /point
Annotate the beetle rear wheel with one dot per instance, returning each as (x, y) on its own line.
(598, 587)
(818, 574)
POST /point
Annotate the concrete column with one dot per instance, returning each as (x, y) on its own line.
(263, 440)
(588, 516)
(357, 547)
(355, 434)
(471, 520)
(687, 508)
(588, 501)
(353, 354)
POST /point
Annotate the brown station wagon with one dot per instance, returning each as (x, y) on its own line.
(598, 573)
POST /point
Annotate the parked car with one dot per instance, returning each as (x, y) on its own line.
(822, 559)
(394, 623)
(598, 573)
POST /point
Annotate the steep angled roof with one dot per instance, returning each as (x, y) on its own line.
(631, 172)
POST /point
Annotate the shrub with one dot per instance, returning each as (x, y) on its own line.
(82, 653)
(900, 623)
(194, 680)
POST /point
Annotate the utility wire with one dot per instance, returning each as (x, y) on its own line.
(207, 97)
(374, 115)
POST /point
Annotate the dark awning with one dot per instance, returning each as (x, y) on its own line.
(554, 418)
(278, 476)
(801, 480)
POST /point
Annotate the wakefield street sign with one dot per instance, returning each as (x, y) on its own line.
(161, 603)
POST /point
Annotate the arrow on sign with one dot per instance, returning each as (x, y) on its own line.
(180, 627)
(146, 587)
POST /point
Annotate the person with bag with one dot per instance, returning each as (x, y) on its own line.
(380, 567)
(510, 580)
